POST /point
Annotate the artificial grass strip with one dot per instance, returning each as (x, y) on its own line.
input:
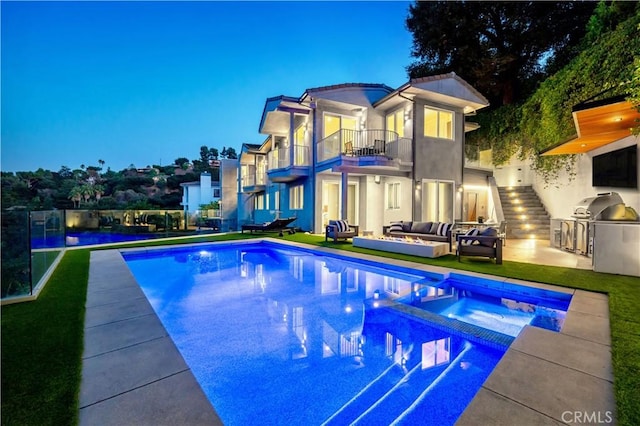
(42, 343)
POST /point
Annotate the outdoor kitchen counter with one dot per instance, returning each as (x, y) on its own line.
(615, 247)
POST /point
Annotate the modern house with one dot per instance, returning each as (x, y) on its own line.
(366, 153)
(206, 191)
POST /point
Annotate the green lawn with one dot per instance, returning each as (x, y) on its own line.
(42, 340)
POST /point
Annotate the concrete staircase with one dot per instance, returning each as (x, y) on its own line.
(525, 215)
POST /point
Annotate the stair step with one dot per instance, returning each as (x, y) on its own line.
(537, 223)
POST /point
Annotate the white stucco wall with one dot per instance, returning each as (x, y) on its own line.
(562, 197)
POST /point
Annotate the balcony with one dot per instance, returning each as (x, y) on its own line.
(477, 158)
(379, 146)
(281, 168)
(253, 179)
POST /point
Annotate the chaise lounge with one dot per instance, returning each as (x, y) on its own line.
(340, 229)
(277, 225)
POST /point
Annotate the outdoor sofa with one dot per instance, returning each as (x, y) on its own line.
(430, 231)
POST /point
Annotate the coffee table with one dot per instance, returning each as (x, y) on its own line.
(422, 248)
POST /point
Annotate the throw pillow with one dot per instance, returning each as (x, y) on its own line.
(406, 226)
(488, 232)
(470, 233)
(395, 227)
(434, 228)
(421, 227)
(443, 229)
(342, 225)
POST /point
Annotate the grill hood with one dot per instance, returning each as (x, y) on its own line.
(604, 206)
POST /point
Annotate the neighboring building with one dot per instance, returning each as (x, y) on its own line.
(196, 194)
(362, 152)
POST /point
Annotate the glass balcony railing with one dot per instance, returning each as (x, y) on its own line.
(279, 158)
(478, 158)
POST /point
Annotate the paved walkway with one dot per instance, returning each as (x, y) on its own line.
(134, 375)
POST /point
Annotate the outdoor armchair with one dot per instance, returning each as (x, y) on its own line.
(337, 229)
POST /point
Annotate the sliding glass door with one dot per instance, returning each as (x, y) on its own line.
(438, 201)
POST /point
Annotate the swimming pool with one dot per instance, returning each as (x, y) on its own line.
(287, 336)
(87, 238)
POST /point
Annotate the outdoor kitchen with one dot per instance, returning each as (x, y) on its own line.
(603, 228)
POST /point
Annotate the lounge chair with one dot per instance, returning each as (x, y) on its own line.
(277, 225)
(337, 229)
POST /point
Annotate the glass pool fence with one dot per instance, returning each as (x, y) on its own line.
(32, 240)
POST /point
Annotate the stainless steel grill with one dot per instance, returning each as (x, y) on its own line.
(604, 206)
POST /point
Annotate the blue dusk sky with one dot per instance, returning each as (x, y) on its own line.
(144, 83)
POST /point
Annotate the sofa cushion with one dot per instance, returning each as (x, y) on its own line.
(471, 232)
(406, 226)
(434, 228)
(443, 229)
(421, 227)
(488, 232)
(396, 227)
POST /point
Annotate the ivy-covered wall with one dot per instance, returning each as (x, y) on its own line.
(605, 66)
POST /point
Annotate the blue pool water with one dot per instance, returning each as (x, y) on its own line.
(86, 238)
(280, 336)
(505, 309)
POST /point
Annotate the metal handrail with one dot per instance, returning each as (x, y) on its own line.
(362, 143)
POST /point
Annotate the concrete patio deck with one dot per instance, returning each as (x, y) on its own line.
(133, 373)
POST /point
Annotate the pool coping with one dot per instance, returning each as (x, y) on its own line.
(132, 372)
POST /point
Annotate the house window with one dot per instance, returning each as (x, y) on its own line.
(333, 123)
(393, 196)
(216, 192)
(259, 202)
(438, 123)
(395, 122)
(276, 200)
(296, 197)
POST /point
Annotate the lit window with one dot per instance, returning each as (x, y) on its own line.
(259, 202)
(438, 123)
(393, 195)
(296, 199)
(395, 122)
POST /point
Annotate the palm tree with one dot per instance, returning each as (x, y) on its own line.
(87, 192)
(76, 196)
(98, 190)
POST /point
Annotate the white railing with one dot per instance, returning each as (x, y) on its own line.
(364, 143)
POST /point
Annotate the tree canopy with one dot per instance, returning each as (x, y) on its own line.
(607, 65)
(500, 48)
